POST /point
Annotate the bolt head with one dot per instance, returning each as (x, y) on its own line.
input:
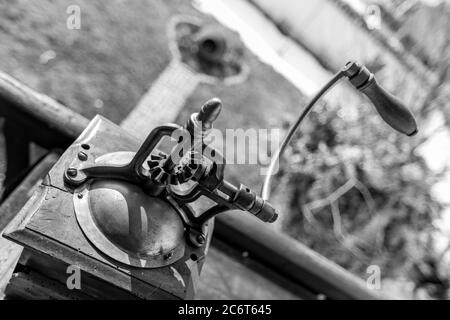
(72, 172)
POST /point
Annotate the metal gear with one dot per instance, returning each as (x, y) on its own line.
(191, 169)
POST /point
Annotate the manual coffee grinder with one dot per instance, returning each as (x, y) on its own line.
(135, 219)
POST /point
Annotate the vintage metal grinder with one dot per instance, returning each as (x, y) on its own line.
(136, 219)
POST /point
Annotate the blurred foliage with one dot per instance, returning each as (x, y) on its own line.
(360, 193)
(363, 196)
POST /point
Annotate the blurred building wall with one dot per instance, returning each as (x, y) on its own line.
(334, 33)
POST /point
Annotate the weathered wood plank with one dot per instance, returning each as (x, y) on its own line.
(9, 255)
(9, 251)
(43, 119)
(32, 286)
(289, 257)
(23, 192)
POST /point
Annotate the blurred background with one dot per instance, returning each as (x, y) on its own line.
(349, 187)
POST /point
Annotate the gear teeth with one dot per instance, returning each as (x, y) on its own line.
(152, 164)
(156, 172)
(161, 177)
(187, 172)
(162, 155)
(183, 176)
(180, 178)
(164, 177)
(192, 166)
(155, 157)
(173, 180)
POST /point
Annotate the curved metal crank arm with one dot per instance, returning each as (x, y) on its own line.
(187, 214)
(212, 212)
(197, 229)
(149, 145)
(130, 172)
(196, 232)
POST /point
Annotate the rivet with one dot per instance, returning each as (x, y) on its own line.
(82, 156)
(201, 239)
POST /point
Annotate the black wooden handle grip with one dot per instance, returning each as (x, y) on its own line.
(390, 108)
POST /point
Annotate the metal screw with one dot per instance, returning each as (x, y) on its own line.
(72, 172)
(201, 239)
(82, 156)
(80, 196)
